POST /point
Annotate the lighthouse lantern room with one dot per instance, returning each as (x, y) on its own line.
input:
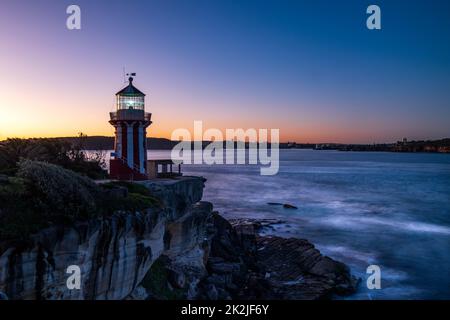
(129, 160)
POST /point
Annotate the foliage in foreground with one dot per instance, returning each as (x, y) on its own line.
(56, 151)
(61, 192)
(43, 194)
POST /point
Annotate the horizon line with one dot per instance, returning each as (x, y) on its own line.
(281, 142)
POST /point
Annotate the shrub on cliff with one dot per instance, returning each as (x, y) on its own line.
(18, 216)
(43, 194)
(12, 150)
(56, 151)
(60, 193)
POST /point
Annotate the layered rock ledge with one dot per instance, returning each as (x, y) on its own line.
(181, 250)
(244, 265)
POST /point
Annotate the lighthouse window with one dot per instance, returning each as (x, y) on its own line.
(130, 102)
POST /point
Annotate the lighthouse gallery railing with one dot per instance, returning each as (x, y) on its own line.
(130, 115)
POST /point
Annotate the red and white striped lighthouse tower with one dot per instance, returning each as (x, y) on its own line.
(129, 161)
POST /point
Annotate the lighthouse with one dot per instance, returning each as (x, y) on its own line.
(130, 121)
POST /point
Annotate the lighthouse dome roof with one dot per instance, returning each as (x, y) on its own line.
(130, 90)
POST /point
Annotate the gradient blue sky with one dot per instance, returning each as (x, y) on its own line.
(310, 68)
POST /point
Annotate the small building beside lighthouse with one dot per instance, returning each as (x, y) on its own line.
(129, 160)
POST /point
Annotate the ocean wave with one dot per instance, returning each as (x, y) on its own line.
(348, 253)
(362, 222)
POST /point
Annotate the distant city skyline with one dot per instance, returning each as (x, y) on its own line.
(309, 68)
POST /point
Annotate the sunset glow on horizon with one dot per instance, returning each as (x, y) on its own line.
(311, 70)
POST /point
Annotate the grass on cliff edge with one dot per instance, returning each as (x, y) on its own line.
(41, 194)
(138, 197)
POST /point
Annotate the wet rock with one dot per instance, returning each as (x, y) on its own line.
(248, 266)
(213, 260)
(257, 224)
(246, 235)
(176, 279)
(223, 294)
(140, 293)
(193, 289)
(285, 205)
(225, 242)
(225, 267)
(220, 280)
(211, 292)
(299, 271)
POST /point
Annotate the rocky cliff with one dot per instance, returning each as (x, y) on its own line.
(113, 253)
(181, 249)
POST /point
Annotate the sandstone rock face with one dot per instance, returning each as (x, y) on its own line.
(183, 250)
(178, 194)
(113, 254)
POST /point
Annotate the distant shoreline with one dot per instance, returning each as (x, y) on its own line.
(423, 146)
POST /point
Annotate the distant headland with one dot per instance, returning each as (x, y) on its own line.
(433, 146)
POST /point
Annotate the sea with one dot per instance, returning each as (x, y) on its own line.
(362, 208)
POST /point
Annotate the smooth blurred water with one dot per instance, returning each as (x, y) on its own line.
(389, 209)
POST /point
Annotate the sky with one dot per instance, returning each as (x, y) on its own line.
(311, 69)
